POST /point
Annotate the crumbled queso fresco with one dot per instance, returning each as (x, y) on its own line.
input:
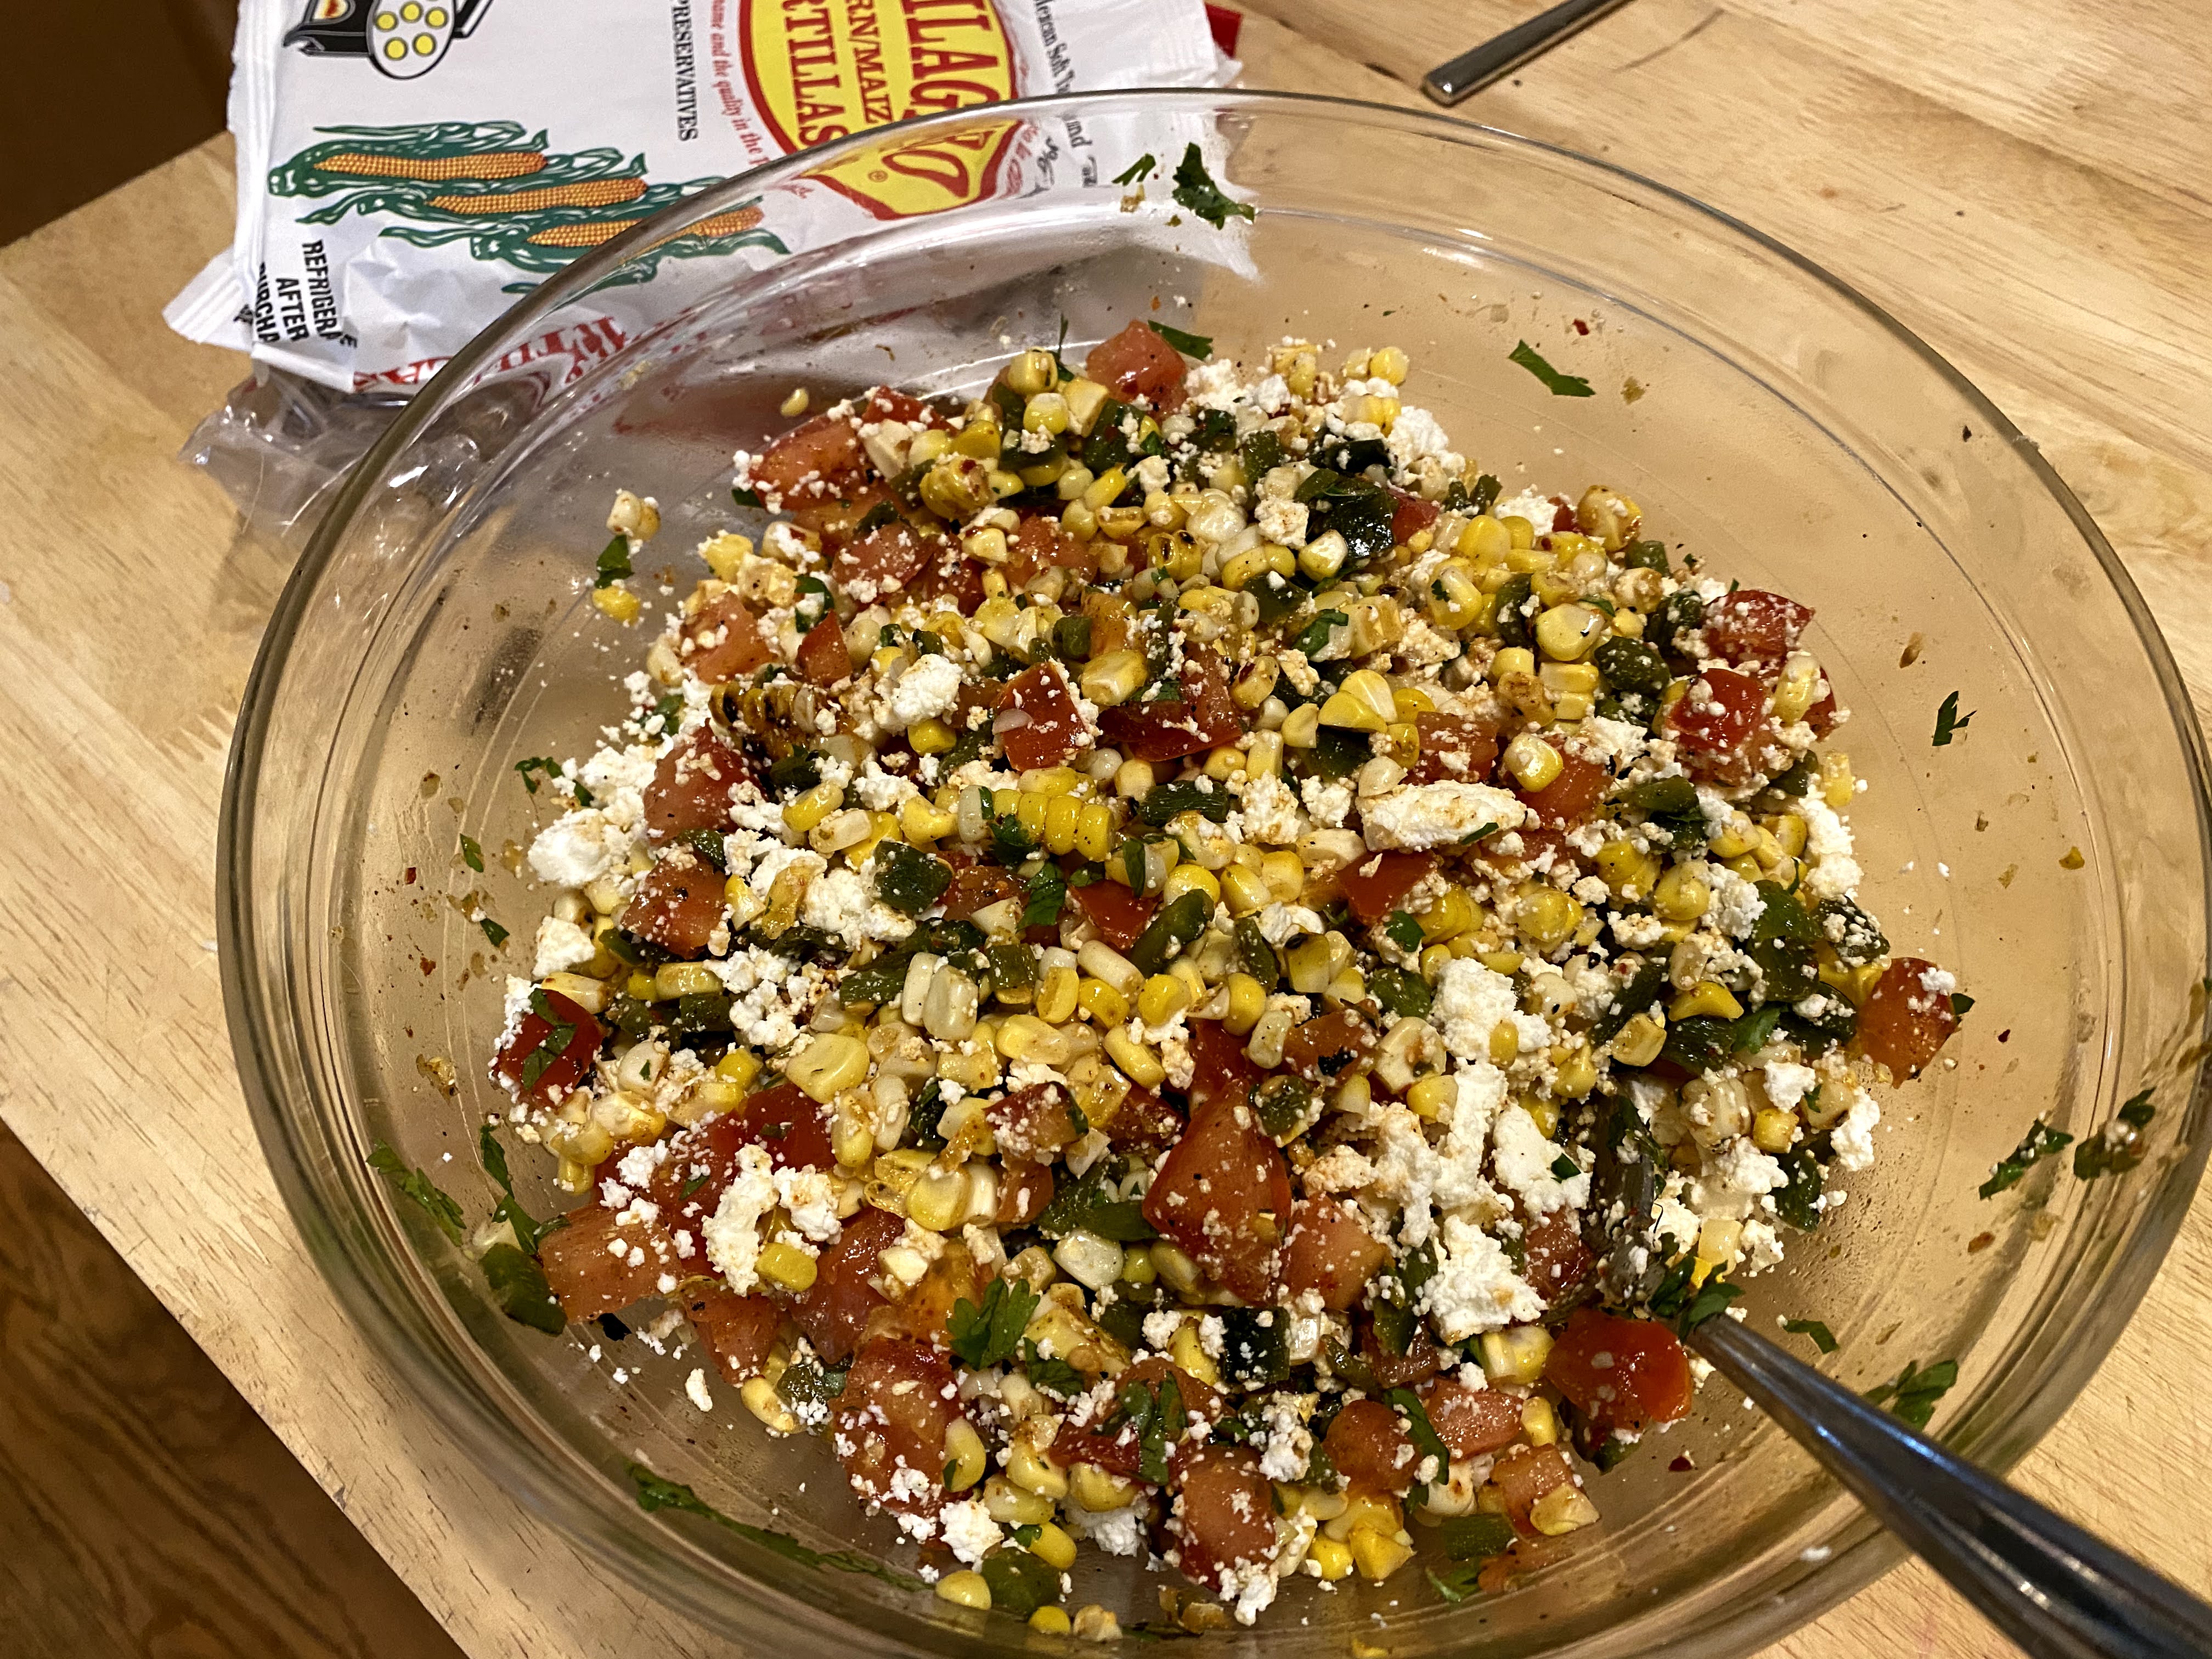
(1161, 967)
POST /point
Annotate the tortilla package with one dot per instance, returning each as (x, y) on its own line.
(408, 168)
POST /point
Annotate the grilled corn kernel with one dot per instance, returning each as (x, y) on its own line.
(1430, 1096)
(1378, 1554)
(1189, 1353)
(1114, 677)
(1192, 878)
(1533, 762)
(1010, 1505)
(1452, 914)
(1545, 916)
(1094, 831)
(1162, 998)
(1141, 1065)
(827, 1065)
(1247, 1000)
(1516, 1355)
(1576, 1077)
(965, 1589)
(1627, 869)
(1243, 890)
(761, 1400)
(1681, 895)
(966, 1460)
(1774, 1129)
(617, 604)
(1795, 691)
(1639, 1041)
(787, 1266)
(1707, 997)
(1098, 1491)
(1838, 787)
(1055, 998)
(1737, 837)
(1562, 1509)
(816, 804)
(1539, 1422)
(1329, 1560)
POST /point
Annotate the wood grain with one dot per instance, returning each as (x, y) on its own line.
(144, 1508)
(2020, 183)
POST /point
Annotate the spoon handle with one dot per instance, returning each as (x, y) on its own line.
(2052, 1588)
(1499, 55)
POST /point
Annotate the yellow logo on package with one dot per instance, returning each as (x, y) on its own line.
(821, 70)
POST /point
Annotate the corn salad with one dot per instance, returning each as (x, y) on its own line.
(1167, 963)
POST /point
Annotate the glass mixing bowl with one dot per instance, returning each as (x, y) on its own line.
(439, 629)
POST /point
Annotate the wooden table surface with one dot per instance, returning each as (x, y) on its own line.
(2023, 182)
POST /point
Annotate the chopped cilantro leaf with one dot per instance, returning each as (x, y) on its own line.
(655, 1493)
(1046, 894)
(1194, 189)
(1558, 385)
(1191, 345)
(1427, 1442)
(1949, 720)
(2040, 1141)
(991, 1334)
(1403, 931)
(614, 562)
(1456, 1583)
(438, 1205)
(492, 931)
(1137, 170)
(1823, 1338)
(1911, 1398)
(472, 854)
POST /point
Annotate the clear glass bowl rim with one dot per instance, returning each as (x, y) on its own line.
(653, 1554)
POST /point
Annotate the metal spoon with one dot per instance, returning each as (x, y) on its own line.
(1499, 55)
(2053, 1589)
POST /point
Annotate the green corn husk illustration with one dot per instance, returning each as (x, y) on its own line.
(504, 194)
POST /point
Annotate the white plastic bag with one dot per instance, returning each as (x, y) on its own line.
(408, 168)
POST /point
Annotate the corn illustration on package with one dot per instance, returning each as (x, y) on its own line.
(408, 168)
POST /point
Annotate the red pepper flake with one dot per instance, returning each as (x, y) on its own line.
(1979, 1243)
(410, 875)
(429, 966)
(1682, 1464)
(1581, 327)
(2005, 1035)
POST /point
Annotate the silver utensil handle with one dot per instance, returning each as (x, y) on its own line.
(2052, 1588)
(1499, 55)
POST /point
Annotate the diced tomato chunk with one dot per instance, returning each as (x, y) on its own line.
(1111, 629)
(1570, 796)
(738, 1331)
(1411, 516)
(1219, 1065)
(1374, 885)
(1325, 1049)
(1224, 1195)
(823, 658)
(950, 578)
(1422, 1358)
(1716, 722)
(924, 1312)
(1620, 1373)
(837, 519)
(1224, 1520)
(690, 786)
(1024, 1191)
(1118, 914)
(834, 1311)
(587, 1275)
(1558, 1260)
(1753, 627)
(881, 563)
(1034, 1122)
(1369, 1443)
(1454, 750)
(1138, 363)
(1039, 543)
(1903, 1023)
(724, 641)
(810, 459)
(1055, 728)
(1822, 715)
(1525, 1474)
(562, 1072)
(890, 1423)
(1471, 1422)
(678, 905)
(974, 886)
(1162, 729)
(1330, 1252)
(1142, 1119)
